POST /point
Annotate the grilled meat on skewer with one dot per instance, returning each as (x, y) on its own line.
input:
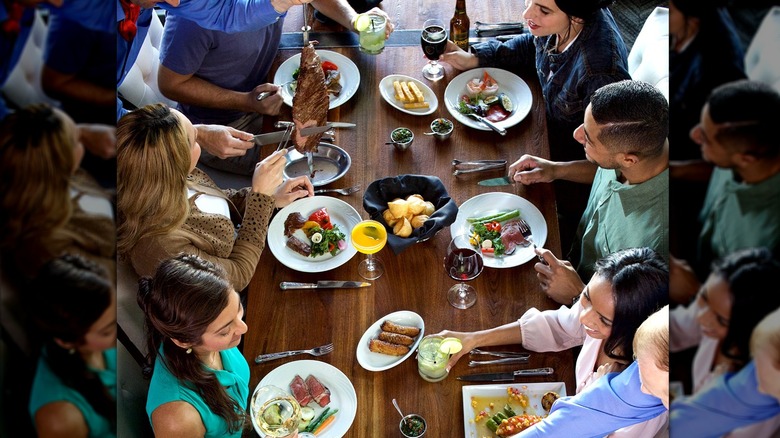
(310, 103)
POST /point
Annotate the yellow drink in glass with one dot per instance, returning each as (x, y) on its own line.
(368, 237)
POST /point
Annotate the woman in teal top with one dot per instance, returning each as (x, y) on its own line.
(200, 382)
(73, 304)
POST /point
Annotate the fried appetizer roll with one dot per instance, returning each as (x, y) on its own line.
(390, 326)
(396, 338)
(383, 347)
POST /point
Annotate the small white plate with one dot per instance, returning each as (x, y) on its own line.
(341, 214)
(350, 76)
(342, 393)
(509, 83)
(387, 91)
(380, 362)
(492, 203)
(534, 391)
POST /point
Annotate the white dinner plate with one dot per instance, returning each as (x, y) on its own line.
(534, 391)
(491, 203)
(350, 76)
(508, 83)
(387, 91)
(341, 214)
(342, 393)
(380, 362)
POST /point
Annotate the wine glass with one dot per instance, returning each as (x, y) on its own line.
(433, 40)
(275, 412)
(463, 262)
(368, 237)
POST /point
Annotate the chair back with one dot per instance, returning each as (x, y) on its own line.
(648, 60)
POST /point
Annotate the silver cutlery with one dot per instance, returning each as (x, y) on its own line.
(525, 230)
(318, 351)
(506, 377)
(499, 353)
(481, 119)
(344, 191)
(265, 94)
(503, 360)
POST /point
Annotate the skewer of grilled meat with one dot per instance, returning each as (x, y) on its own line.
(310, 103)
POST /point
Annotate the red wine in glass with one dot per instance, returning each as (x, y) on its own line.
(433, 40)
(463, 263)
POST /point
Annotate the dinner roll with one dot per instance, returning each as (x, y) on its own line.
(398, 207)
(402, 228)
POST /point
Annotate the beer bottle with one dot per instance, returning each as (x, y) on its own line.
(459, 26)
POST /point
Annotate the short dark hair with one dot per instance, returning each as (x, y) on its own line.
(640, 286)
(747, 273)
(633, 116)
(746, 112)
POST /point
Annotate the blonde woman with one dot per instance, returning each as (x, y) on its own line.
(50, 206)
(167, 206)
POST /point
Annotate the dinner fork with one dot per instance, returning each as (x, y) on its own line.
(525, 230)
(345, 191)
(319, 351)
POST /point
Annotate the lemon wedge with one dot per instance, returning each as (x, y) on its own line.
(362, 22)
(450, 345)
(372, 232)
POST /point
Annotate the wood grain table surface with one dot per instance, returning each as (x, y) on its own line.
(415, 279)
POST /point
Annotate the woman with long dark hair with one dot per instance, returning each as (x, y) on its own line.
(628, 286)
(200, 382)
(73, 305)
(729, 305)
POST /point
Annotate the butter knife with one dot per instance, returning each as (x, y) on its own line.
(492, 182)
(505, 377)
(285, 285)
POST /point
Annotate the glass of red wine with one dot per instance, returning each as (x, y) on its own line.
(464, 263)
(433, 40)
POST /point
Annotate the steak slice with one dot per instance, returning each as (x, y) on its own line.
(512, 237)
(300, 391)
(310, 103)
(293, 222)
(299, 246)
(318, 391)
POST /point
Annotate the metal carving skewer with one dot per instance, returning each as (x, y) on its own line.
(306, 28)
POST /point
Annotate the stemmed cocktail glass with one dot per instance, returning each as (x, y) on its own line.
(368, 237)
(276, 412)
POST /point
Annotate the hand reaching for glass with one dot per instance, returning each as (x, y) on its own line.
(458, 58)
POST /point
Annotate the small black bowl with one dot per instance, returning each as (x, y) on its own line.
(382, 191)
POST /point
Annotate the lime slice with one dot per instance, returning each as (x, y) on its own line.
(450, 345)
(362, 22)
(372, 232)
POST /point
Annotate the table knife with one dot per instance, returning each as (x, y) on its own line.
(503, 181)
(505, 377)
(285, 285)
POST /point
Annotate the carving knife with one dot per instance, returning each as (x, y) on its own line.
(276, 137)
(285, 285)
(492, 182)
(505, 377)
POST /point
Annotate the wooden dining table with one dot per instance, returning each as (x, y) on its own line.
(415, 279)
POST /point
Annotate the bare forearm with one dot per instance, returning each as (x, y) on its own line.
(502, 335)
(193, 90)
(576, 171)
(62, 86)
(338, 10)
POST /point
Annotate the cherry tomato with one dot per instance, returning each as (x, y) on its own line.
(493, 226)
(327, 65)
(322, 218)
(489, 251)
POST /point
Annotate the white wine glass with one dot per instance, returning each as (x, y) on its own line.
(433, 40)
(275, 412)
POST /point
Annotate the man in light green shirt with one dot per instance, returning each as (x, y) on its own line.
(738, 135)
(627, 158)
